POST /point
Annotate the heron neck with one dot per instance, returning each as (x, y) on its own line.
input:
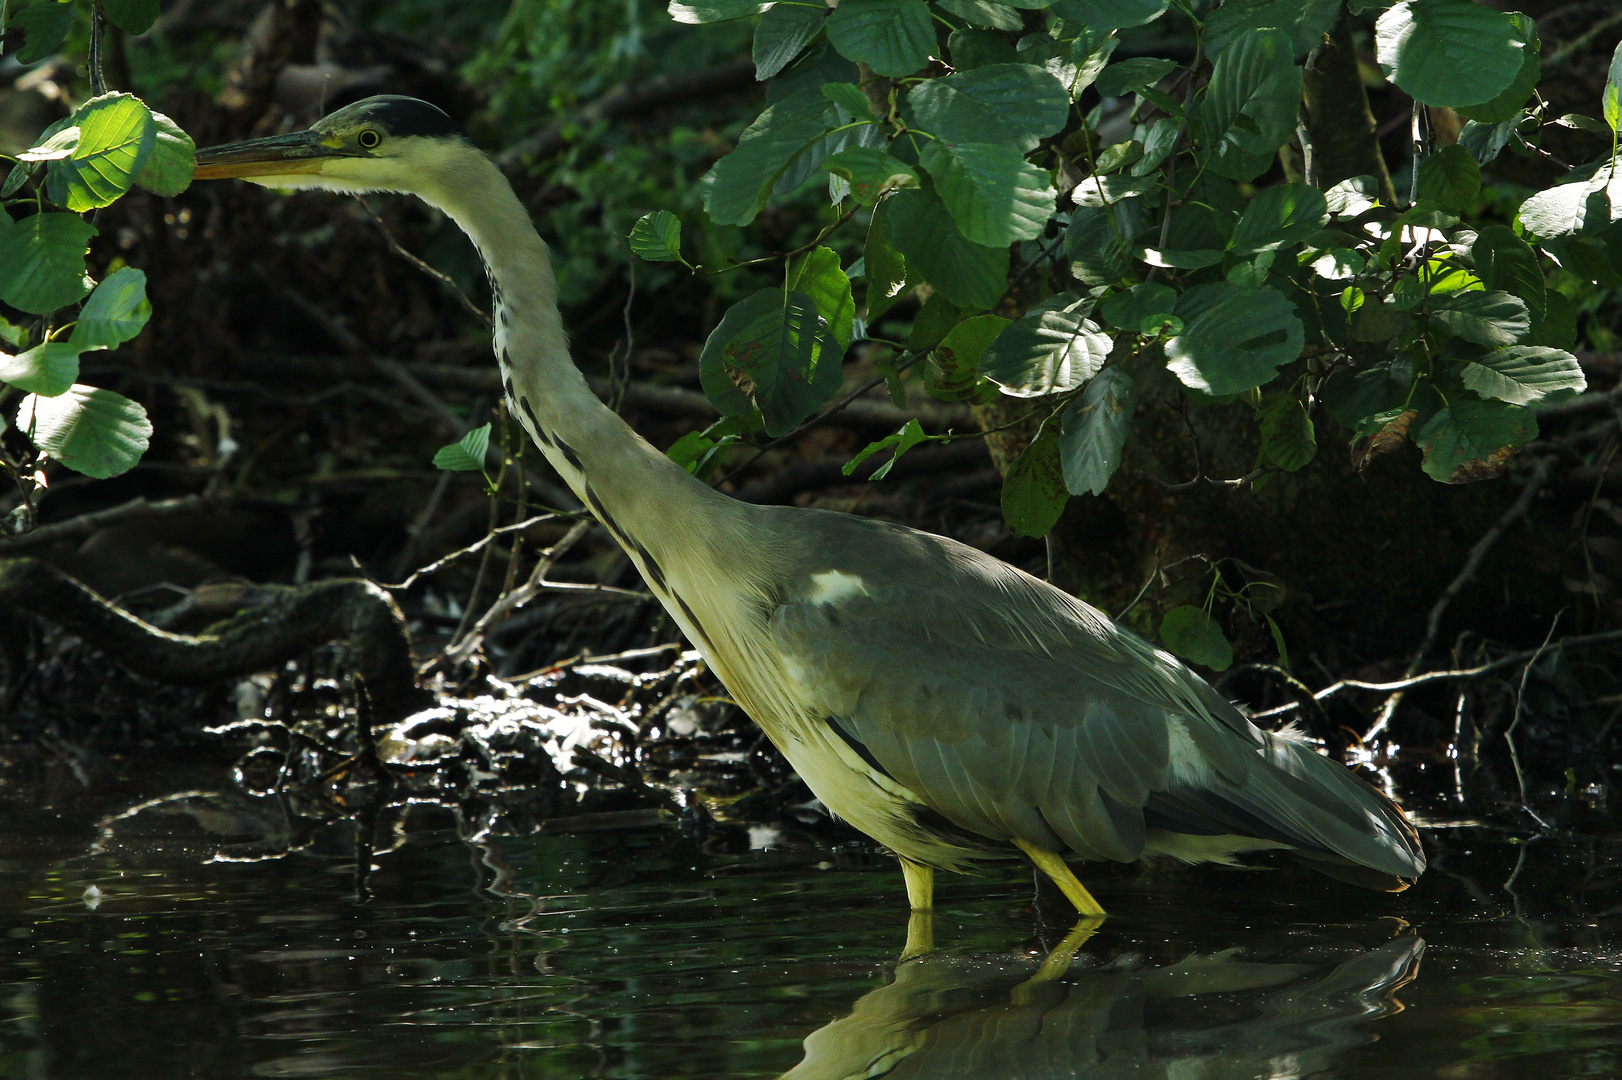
(644, 498)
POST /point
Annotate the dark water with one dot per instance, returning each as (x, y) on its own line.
(136, 951)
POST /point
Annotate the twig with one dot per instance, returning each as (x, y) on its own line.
(1509, 732)
(587, 658)
(1449, 675)
(438, 275)
(458, 651)
(472, 549)
(1472, 563)
(619, 372)
(85, 524)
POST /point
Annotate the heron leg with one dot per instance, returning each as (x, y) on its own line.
(1055, 868)
(920, 881)
(920, 935)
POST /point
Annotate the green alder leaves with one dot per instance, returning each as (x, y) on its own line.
(1525, 375)
(993, 194)
(91, 431)
(783, 33)
(893, 37)
(872, 174)
(1233, 339)
(737, 186)
(1472, 440)
(1095, 430)
(1011, 104)
(1277, 216)
(1192, 634)
(774, 352)
(1052, 349)
(1033, 491)
(115, 312)
(48, 369)
(1249, 110)
(656, 237)
(42, 262)
(1489, 317)
(116, 135)
(467, 454)
(1449, 52)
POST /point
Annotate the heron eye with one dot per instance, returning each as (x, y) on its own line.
(368, 139)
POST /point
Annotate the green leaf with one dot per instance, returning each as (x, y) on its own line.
(1288, 438)
(955, 362)
(1508, 104)
(886, 271)
(1353, 196)
(1504, 261)
(1583, 205)
(772, 351)
(1281, 215)
(48, 369)
(994, 194)
(56, 142)
(115, 312)
(1525, 375)
(1013, 104)
(1191, 633)
(1158, 143)
(169, 168)
(45, 26)
(467, 453)
(969, 274)
(736, 187)
(1487, 317)
(985, 13)
(1033, 492)
(1450, 178)
(782, 34)
(1249, 109)
(1473, 440)
(972, 49)
(1350, 397)
(1558, 327)
(1306, 21)
(910, 435)
(1233, 339)
(1098, 240)
(134, 17)
(1611, 98)
(1053, 348)
(817, 274)
(1111, 14)
(1141, 309)
(1487, 141)
(656, 237)
(893, 37)
(849, 96)
(872, 174)
(116, 133)
(693, 12)
(1095, 430)
(91, 431)
(1448, 52)
(1135, 74)
(42, 262)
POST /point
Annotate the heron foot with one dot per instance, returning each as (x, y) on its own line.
(920, 935)
(1059, 871)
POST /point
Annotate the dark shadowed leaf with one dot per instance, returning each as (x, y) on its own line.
(91, 431)
(893, 37)
(782, 34)
(985, 13)
(1504, 261)
(1111, 14)
(1012, 104)
(994, 194)
(1450, 178)
(1488, 317)
(1448, 52)
(1473, 440)
(1249, 109)
(1233, 339)
(772, 351)
(1141, 309)
(1053, 348)
(1191, 633)
(42, 262)
(1033, 492)
(169, 168)
(738, 185)
(1288, 437)
(910, 435)
(45, 26)
(872, 174)
(1095, 430)
(1306, 21)
(1525, 375)
(1128, 76)
(886, 271)
(972, 275)
(131, 16)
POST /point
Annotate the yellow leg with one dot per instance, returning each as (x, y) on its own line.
(920, 881)
(1054, 867)
(1058, 961)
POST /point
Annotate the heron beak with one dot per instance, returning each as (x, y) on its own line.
(278, 155)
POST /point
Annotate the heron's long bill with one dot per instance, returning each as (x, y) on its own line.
(277, 155)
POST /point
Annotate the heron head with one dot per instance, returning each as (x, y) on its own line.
(383, 143)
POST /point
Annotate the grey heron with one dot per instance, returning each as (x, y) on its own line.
(945, 703)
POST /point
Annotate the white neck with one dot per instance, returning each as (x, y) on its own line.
(668, 522)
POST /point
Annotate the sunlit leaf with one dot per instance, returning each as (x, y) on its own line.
(1448, 52)
(656, 237)
(1286, 214)
(872, 174)
(42, 262)
(1487, 317)
(1053, 348)
(955, 362)
(48, 369)
(467, 454)
(708, 11)
(91, 431)
(169, 168)
(772, 351)
(1525, 375)
(1509, 102)
(115, 312)
(1233, 339)
(817, 274)
(116, 133)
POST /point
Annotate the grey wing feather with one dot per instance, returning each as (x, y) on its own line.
(1029, 715)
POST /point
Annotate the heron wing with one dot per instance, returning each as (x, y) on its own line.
(1015, 710)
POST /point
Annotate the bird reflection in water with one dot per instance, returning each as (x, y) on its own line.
(1212, 1017)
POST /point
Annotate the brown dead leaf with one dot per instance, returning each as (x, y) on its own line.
(1384, 441)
